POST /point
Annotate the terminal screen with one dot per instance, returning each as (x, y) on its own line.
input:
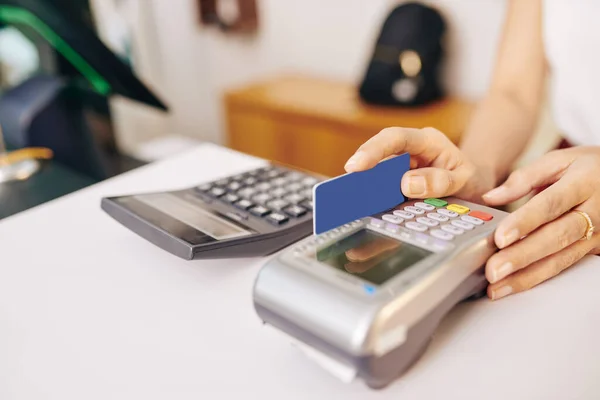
(371, 256)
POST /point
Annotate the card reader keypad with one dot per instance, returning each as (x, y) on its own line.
(434, 217)
(273, 194)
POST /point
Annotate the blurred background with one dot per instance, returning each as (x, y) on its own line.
(110, 85)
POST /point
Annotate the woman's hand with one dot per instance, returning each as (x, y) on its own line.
(439, 167)
(543, 238)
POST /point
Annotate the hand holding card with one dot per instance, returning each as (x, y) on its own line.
(359, 194)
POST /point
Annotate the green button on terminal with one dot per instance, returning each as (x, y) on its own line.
(436, 202)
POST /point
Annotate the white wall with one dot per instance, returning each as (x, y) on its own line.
(331, 38)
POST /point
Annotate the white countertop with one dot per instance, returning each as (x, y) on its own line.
(88, 310)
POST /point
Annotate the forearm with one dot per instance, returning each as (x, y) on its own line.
(498, 133)
(505, 120)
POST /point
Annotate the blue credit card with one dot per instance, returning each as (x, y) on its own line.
(359, 194)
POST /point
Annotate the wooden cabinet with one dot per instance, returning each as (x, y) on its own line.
(316, 124)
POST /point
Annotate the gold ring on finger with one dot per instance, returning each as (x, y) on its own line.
(589, 231)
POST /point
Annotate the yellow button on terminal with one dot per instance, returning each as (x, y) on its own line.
(458, 208)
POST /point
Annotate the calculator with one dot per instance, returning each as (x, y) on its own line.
(250, 214)
(367, 297)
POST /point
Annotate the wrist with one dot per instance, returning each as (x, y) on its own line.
(482, 180)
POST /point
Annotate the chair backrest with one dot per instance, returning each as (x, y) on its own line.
(46, 111)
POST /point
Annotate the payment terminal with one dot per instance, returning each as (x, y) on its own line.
(364, 299)
(250, 214)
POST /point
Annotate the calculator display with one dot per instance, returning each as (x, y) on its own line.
(184, 218)
(371, 256)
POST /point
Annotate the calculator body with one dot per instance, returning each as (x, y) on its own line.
(369, 295)
(250, 214)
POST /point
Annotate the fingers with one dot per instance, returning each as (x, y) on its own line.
(546, 170)
(417, 142)
(545, 241)
(541, 271)
(433, 182)
(446, 175)
(571, 190)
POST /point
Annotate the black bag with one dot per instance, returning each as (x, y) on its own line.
(406, 60)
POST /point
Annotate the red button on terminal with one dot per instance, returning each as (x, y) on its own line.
(481, 215)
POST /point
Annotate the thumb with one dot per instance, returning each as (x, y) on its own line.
(432, 182)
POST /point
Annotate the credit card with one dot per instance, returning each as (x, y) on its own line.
(357, 195)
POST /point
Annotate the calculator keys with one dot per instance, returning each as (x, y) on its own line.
(278, 182)
(309, 181)
(294, 187)
(377, 223)
(424, 206)
(247, 192)
(436, 202)
(230, 198)
(415, 226)
(250, 181)
(427, 221)
(244, 204)
(481, 215)
(295, 211)
(273, 174)
(293, 176)
(457, 208)
(263, 187)
(234, 186)
(440, 234)
(404, 214)
(307, 193)
(259, 211)
(414, 210)
(471, 220)
(279, 192)
(294, 198)
(307, 204)
(452, 229)
(394, 219)
(462, 225)
(262, 198)
(438, 217)
(277, 204)
(217, 192)
(447, 213)
(272, 193)
(277, 218)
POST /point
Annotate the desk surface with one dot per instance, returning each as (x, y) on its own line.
(90, 311)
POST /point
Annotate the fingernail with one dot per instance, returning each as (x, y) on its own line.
(502, 271)
(501, 292)
(416, 185)
(495, 192)
(354, 161)
(508, 238)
